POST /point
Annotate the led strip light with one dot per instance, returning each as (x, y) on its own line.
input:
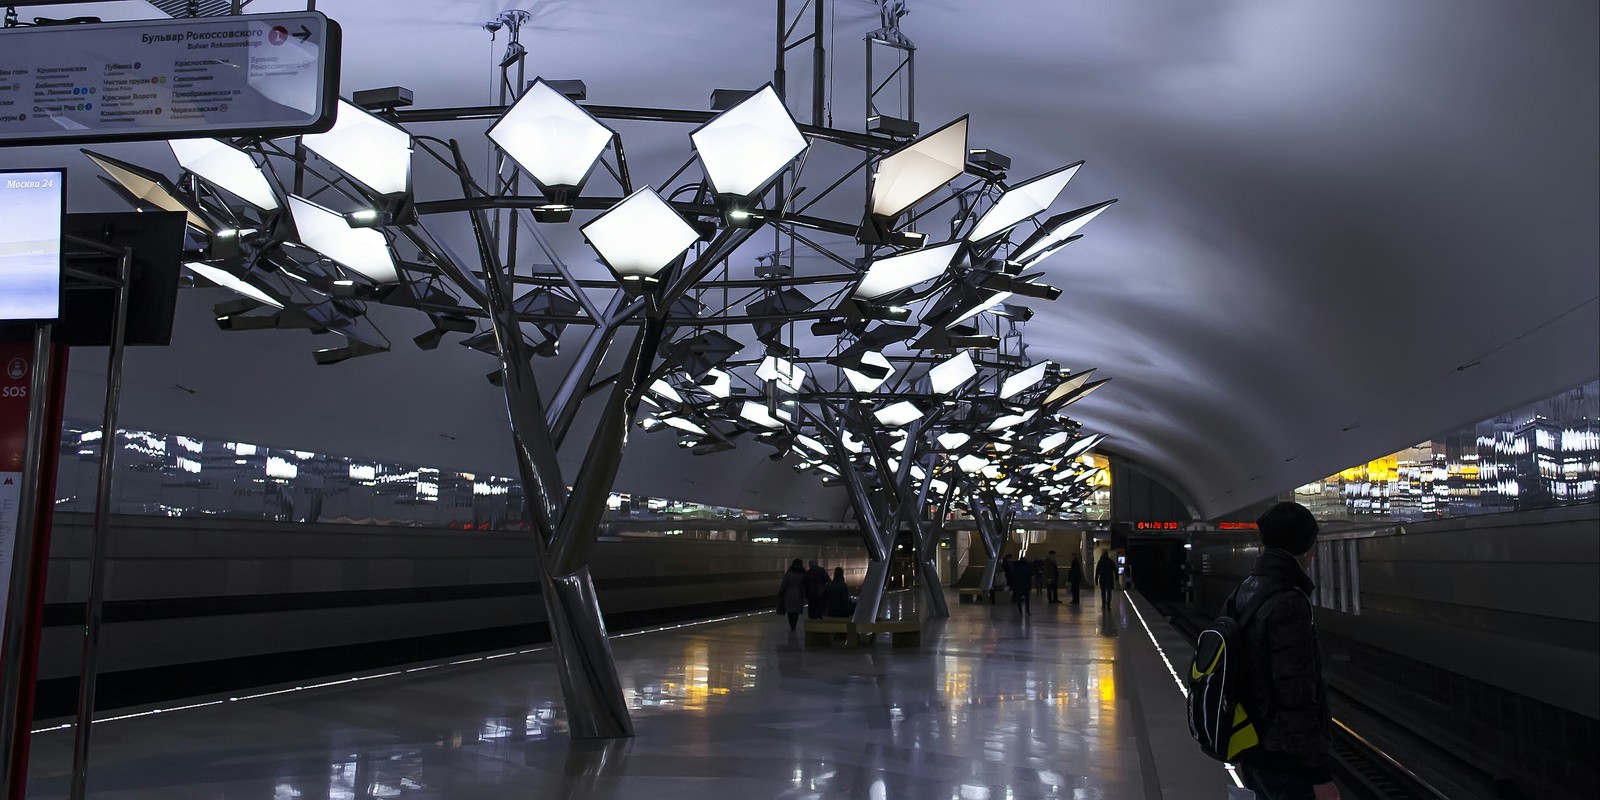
(391, 674)
(1182, 687)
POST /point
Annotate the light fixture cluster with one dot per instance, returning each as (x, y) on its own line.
(915, 355)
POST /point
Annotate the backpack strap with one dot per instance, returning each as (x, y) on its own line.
(1256, 603)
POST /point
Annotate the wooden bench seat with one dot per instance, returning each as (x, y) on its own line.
(820, 632)
(902, 633)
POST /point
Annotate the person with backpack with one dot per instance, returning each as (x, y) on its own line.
(1256, 694)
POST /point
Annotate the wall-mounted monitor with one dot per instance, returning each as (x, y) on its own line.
(32, 214)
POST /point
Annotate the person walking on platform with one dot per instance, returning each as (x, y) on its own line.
(1105, 574)
(1052, 577)
(1284, 691)
(1075, 577)
(1037, 569)
(792, 592)
(1020, 578)
(816, 578)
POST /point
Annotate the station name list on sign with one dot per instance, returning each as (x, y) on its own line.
(266, 74)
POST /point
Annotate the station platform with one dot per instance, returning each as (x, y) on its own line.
(1072, 702)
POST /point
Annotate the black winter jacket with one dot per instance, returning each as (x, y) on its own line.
(1284, 691)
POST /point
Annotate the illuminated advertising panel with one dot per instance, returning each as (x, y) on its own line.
(32, 206)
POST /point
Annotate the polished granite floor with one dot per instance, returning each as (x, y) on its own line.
(991, 707)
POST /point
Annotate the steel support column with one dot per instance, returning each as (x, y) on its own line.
(99, 544)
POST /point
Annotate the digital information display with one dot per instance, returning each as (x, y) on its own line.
(32, 209)
(268, 74)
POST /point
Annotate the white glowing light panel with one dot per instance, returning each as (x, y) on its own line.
(994, 300)
(917, 170)
(757, 413)
(363, 250)
(901, 413)
(864, 383)
(1022, 201)
(1022, 380)
(720, 385)
(263, 74)
(1067, 387)
(229, 281)
(551, 137)
(951, 441)
(744, 147)
(1053, 441)
(366, 148)
(971, 464)
(788, 375)
(948, 375)
(811, 444)
(227, 167)
(902, 271)
(639, 236)
(665, 390)
(685, 425)
(32, 206)
(1063, 230)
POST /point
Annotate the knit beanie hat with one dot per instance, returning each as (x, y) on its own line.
(1288, 526)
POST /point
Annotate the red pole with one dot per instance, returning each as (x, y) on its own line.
(13, 426)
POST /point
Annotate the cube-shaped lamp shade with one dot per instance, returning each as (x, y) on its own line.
(1083, 445)
(1053, 441)
(551, 137)
(902, 271)
(788, 375)
(816, 447)
(917, 170)
(1021, 202)
(373, 152)
(231, 282)
(1056, 231)
(144, 186)
(758, 414)
(947, 376)
(901, 413)
(1022, 380)
(744, 147)
(719, 384)
(640, 236)
(226, 167)
(1067, 387)
(863, 382)
(363, 250)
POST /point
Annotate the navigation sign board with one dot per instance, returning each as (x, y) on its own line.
(260, 74)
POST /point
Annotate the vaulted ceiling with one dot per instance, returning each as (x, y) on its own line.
(1343, 226)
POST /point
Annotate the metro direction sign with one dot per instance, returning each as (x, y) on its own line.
(258, 74)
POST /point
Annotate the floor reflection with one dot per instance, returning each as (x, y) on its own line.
(992, 706)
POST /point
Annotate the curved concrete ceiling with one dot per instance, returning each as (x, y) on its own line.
(1343, 227)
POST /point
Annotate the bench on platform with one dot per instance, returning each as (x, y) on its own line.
(903, 633)
(820, 632)
(973, 594)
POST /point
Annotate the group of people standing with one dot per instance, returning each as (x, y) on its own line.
(811, 591)
(1043, 575)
